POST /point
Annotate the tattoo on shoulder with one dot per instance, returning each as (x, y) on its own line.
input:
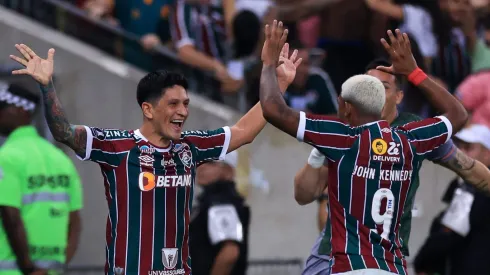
(461, 161)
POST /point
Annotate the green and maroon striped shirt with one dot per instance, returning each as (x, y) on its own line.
(149, 192)
(370, 176)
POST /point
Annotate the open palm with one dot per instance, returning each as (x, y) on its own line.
(286, 71)
(40, 69)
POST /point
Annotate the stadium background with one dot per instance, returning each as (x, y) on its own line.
(97, 89)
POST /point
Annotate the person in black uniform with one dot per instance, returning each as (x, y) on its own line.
(220, 221)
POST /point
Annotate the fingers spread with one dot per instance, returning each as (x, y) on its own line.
(23, 71)
(31, 53)
(23, 52)
(18, 60)
(298, 62)
(267, 32)
(51, 54)
(294, 56)
(285, 50)
(393, 40)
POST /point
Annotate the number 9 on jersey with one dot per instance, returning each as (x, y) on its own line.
(387, 217)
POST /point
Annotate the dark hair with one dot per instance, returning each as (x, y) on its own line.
(246, 32)
(153, 85)
(385, 63)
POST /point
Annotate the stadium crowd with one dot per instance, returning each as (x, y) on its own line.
(221, 42)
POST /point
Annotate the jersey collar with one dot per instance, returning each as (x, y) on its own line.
(137, 133)
(23, 131)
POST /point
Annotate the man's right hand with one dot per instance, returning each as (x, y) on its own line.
(40, 69)
(275, 38)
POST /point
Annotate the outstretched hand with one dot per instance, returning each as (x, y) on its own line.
(40, 69)
(400, 52)
(286, 71)
(275, 38)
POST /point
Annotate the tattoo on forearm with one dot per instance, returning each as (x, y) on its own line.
(64, 132)
(472, 173)
(462, 162)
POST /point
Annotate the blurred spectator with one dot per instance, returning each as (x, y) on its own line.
(474, 93)
(349, 33)
(459, 241)
(220, 221)
(477, 48)
(312, 90)
(452, 63)
(416, 18)
(147, 19)
(198, 33)
(41, 194)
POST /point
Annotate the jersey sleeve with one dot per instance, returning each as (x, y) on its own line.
(428, 134)
(328, 134)
(180, 24)
(101, 147)
(210, 145)
(224, 224)
(10, 182)
(443, 153)
(76, 191)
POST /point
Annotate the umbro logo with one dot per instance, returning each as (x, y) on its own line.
(386, 130)
(146, 160)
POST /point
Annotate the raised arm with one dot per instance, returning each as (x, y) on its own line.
(250, 125)
(74, 136)
(403, 63)
(471, 170)
(274, 108)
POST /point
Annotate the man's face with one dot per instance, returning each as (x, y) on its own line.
(7, 123)
(394, 96)
(456, 9)
(302, 72)
(473, 150)
(208, 173)
(169, 113)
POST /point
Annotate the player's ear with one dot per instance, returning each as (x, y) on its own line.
(147, 109)
(399, 97)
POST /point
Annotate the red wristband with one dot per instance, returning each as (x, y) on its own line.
(417, 76)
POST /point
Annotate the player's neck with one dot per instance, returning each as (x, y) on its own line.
(153, 137)
(391, 116)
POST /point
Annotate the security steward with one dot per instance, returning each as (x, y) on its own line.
(219, 222)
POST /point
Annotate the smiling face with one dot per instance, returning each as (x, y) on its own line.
(168, 113)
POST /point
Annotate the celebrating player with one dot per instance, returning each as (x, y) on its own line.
(312, 178)
(368, 160)
(149, 173)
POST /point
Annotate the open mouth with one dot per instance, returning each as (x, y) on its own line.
(177, 123)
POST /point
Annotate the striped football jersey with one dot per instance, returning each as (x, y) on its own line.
(149, 193)
(372, 169)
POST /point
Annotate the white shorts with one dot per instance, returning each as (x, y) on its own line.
(366, 272)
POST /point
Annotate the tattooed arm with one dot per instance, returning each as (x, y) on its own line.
(74, 136)
(471, 170)
(42, 70)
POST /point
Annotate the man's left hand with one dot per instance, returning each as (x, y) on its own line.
(286, 71)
